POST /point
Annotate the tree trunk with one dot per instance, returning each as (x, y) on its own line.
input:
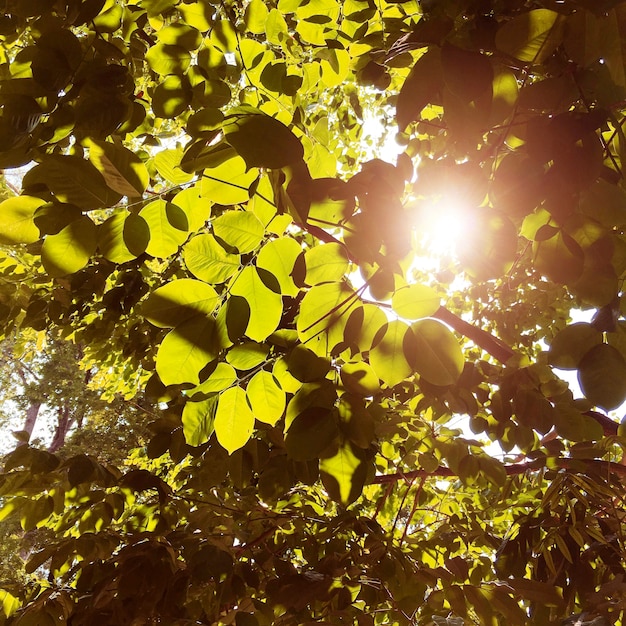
(32, 412)
(63, 426)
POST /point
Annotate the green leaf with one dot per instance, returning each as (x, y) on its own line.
(602, 376)
(167, 163)
(16, 220)
(326, 263)
(267, 399)
(344, 474)
(335, 65)
(228, 182)
(357, 423)
(69, 250)
(276, 27)
(364, 324)
(167, 59)
(571, 344)
(388, 355)
(247, 355)
(324, 313)
(168, 228)
(559, 258)
(437, 356)
(263, 141)
(186, 350)
(197, 208)
(198, 15)
(359, 378)
(266, 306)
(240, 229)
(467, 73)
(179, 300)
(415, 301)
(531, 36)
(198, 420)
(278, 257)
(9, 603)
(172, 97)
(207, 260)
(256, 16)
(234, 420)
(74, 181)
(123, 237)
(123, 170)
(222, 376)
(180, 34)
(422, 86)
(571, 424)
(310, 433)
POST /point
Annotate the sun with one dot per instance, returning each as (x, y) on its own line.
(442, 224)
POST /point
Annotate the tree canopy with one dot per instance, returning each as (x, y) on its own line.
(209, 214)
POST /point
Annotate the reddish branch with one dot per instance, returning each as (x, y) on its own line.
(573, 465)
(490, 344)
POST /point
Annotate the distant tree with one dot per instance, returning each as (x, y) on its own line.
(208, 222)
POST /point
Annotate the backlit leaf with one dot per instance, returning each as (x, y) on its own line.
(167, 163)
(69, 250)
(222, 376)
(197, 208)
(437, 355)
(168, 59)
(168, 227)
(123, 170)
(415, 301)
(247, 355)
(422, 86)
(571, 344)
(344, 473)
(387, 356)
(240, 229)
(234, 420)
(278, 257)
(16, 220)
(324, 313)
(186, 350)
(229, 182)
(266, 306)
(263, 141)
(267, 399)
(198, 420)
(124, 236)
(327, 263)
(207, 260)
(75, 181)
(531, 36)
(310, 432)
(359, 378)
(602, 376)
(179, 300)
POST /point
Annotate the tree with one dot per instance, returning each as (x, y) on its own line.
(208, 220)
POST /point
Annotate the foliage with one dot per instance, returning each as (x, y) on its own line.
(206, 218)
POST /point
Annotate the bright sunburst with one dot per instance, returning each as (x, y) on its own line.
(442, 224)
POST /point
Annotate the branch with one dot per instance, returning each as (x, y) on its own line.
(608, 425)
(488, 342)
(574, 465)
